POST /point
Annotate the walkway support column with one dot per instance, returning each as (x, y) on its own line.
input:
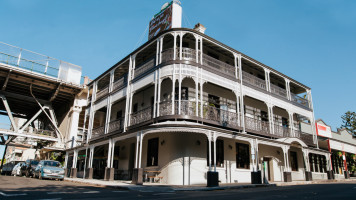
(308, 174)
(330, 171)
(137, 173)
(73, 171)
(89, 170)
(287, 174)
(346, 172)
(109, 171)
(256, 175)
(212, 176)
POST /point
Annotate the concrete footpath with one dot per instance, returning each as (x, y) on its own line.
(353, 179)
(157, 187)
(152, 187)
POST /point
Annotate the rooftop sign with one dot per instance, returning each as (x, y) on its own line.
(169, 17)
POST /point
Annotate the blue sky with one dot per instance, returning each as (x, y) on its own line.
(312, 41)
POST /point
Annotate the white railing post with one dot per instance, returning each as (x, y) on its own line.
(239, 59)
(19, 58)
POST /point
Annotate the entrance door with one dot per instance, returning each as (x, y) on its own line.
(266, 168)
(131, 159)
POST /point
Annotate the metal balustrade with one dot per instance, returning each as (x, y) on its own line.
(102, 92)
(278, 91)
(299, 100)
(257, 125)
(221, 116)
(141, 116)
(165, 108)
(96, 132)
(281, 131)
(117, 124)
(144, 67)
(253, 80)
(187, 107)
(210, 62)
(35, 62)
(218, 65)
(119, 83)
(167, 55)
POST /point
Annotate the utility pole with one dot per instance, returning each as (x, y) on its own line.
(3, 157)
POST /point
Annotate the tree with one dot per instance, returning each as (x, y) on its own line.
(349, 122)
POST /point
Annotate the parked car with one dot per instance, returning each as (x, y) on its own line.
(16, 171)
(49, 169)
(7, 168)
(29, 167)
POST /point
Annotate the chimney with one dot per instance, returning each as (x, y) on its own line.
(199, 27)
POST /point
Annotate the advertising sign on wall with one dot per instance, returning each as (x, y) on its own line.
(161, 21)
(323, 130)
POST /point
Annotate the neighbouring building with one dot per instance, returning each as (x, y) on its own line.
(342, 147)
(185, 109)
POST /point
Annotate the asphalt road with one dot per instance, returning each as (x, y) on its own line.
(29, 188)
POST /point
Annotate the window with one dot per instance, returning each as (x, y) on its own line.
(260, 76)
(242, 156)
(116, 154)
(294, 161)
(184, 93)
(219, 153)
(211, 54)
(152, 152)
(119, 114)
(317, 163)
(135, 108)
(311, 158)
(284, 122)
(264, 116)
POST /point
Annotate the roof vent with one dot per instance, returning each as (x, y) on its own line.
(199, 27)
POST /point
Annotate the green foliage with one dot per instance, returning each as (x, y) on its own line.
(57, 156)
(349, 122)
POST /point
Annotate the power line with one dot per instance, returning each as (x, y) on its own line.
(140, 40)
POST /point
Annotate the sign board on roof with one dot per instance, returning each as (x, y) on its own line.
(323, 130)
(169, 17)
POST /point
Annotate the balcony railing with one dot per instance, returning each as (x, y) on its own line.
(144, 67)
(119, 83)
(218, 65)
(253, 80)
(278, 91)
(141, 116)
(210, 62)
(281, 131)
(221, 116)
(307, 138)
(299, 100)
(189, 54)
(117, 124)
(35, 62)
(96, 132)
(102, 93)
(211, 113)
(167, 55)
(186, 107)
(257, 125)
(165, 108)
